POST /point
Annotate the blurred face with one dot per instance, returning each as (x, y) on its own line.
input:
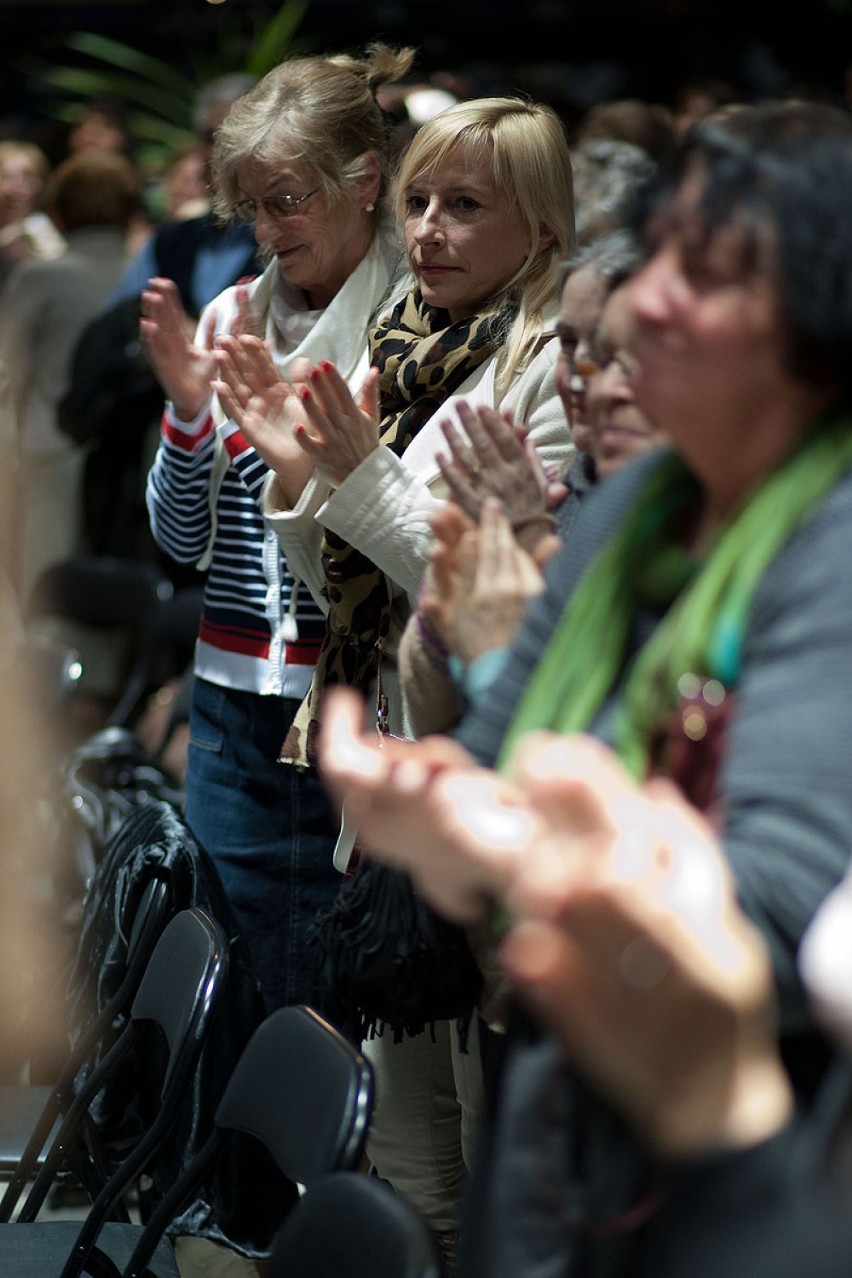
(583, 296)
(619, 431)
(97, 132)
(317, 245)
(20, 185)
(710, 343)
(465, 239)
(186, 181)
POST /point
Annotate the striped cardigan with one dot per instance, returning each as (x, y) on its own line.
(260, 631)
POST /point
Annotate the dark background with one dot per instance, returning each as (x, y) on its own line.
(570, 52)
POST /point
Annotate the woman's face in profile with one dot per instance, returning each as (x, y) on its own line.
(709, 337)
(619, 430)
(583, 296)
(465, 239)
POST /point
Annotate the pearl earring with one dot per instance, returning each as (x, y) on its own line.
(369, 208)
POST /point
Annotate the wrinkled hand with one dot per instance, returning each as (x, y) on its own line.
(340, 431)
(425, 807)
(266, 409)
(498, 461)
(479, 582)
(636, 955)
(183, 369)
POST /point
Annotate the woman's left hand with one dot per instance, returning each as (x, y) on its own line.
(340, 432)
(498, 461)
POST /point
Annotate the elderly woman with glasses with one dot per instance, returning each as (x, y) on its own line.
(302, 156)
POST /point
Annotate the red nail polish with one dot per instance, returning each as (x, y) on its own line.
(326, 365)
(315, 374)
(305, 395)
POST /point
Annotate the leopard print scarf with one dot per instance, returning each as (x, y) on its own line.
(422, 358)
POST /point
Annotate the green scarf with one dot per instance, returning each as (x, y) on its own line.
(702, 631)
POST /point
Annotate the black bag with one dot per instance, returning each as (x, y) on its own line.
(386, 959)
(105, 779)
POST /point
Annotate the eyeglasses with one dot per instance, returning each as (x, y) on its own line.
(590, 363)
(275, 206)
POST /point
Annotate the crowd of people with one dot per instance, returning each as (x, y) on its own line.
(516, 465)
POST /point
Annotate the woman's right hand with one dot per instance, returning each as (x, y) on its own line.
(638, 957)
(183, 370)
(497, 460)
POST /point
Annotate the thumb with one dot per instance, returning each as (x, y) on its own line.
(368, 397)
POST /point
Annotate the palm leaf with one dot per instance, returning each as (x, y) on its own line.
(276, 38)
(114, 53)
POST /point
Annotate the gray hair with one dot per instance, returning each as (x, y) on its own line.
(614, 257)
(320, 110)
(607, 175)
(223, 91)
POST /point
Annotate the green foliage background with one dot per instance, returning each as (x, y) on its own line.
(65, 73)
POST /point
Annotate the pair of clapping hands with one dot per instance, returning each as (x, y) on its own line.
(623, 930)
(310, 422)
(492, 538)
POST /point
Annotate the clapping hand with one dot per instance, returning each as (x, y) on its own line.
(479, 580)
(183, 369)
(634, 951)
(266, 408)
(498, 461)
(338, 430)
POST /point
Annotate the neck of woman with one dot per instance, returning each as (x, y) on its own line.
(737, 460)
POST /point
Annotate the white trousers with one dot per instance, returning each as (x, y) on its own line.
(429, 1098)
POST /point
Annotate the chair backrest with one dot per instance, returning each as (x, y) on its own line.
(302, 1091)
(356, 1225)
(110, 593)
(177, 993)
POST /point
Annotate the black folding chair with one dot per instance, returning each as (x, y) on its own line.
(177, 994)
(299, 1089)
(28, 1114)
(356, 1225)
(121, 596)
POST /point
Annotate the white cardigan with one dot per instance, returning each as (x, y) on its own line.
(384, 507)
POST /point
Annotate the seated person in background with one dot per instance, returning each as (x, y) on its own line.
(201, 254)
(647, 125)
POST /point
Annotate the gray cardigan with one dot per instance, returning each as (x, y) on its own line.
(786, 782)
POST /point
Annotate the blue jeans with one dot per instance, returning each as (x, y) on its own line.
(268, 827)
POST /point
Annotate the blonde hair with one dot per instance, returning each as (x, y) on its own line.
(527, 150)
(322, 111)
